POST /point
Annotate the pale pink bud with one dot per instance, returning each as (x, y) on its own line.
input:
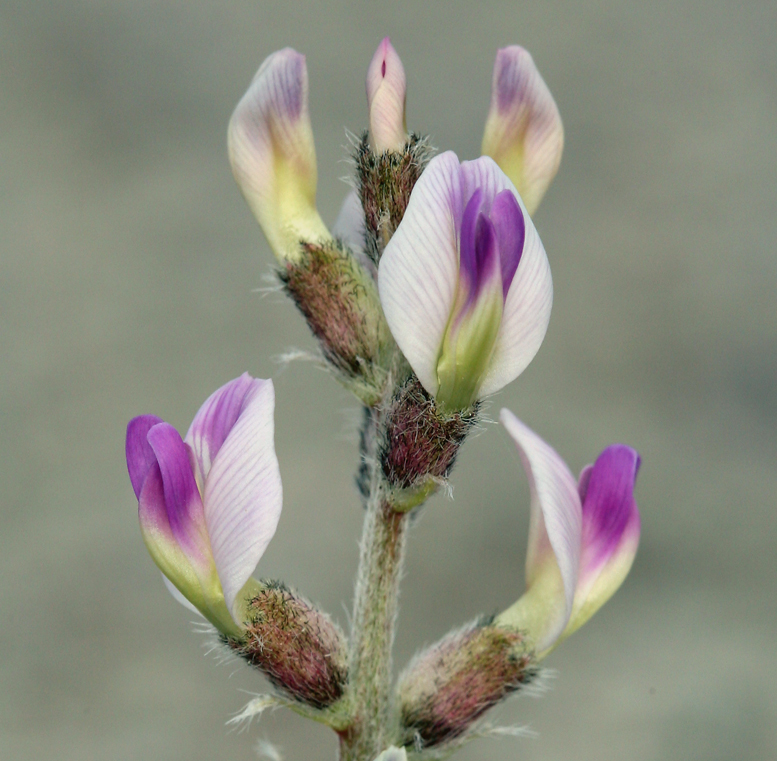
(297, 647)
(386, 92)
(450, 685)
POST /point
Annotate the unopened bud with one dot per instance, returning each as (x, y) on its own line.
(385, 183)
(420, 445)
(386, 92)
(523, 134)
(448, 687)
(340, 302)
(296, 646)
(272, 154)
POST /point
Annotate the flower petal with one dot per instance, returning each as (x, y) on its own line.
(530, 296)
(140, 455)
(386, 92)
(507, 217)
(555, 530)
(418, 271)
(608, 504)
(583, 480)
(243, 493)
(182, 502)
(525, 317)
(468, 260)
(611, 528)
(272, 154)
(215, 419)
(162, 543)
(474, 325)
(484, 174)
(523, 130)
(152, 514)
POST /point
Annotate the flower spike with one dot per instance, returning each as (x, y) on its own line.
(386, 95)
(273, 158)
(464, 283)
(583, 536)
(209, 504)
(523, 133)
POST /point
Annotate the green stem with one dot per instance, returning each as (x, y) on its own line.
(375, 609)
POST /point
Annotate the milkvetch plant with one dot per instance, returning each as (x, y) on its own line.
(431, 292)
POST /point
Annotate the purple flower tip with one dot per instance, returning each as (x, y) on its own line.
(490, 238)
(607, 494)
(140, 456)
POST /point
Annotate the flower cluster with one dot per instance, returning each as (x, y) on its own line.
(431, 291)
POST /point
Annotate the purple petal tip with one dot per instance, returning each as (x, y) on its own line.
(181, 495)
(607, 489)
(139, 454)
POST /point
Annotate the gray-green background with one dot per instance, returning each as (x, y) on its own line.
(129, 265)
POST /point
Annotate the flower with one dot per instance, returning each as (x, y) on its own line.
(273, 158)
(583, 536)
(386, 93)
(209, 504)
(523, 133)
(464, 282)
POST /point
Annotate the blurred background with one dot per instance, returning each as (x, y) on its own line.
(129, 269)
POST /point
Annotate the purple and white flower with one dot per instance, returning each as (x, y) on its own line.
(464, 282)
(386, 94)
(583, 536)
(273, 157)
(523, 133)
(209, 504)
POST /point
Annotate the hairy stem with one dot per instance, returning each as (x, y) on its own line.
(375, 609)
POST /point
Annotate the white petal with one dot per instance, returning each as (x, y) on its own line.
(243, 493)
(525, 317)
(555, 529)
(485, 173)
(214, 421)
(418, 271)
